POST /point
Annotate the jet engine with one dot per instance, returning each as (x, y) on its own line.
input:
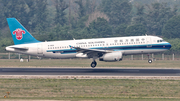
(111, 57)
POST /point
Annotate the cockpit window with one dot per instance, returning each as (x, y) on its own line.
(160, 41)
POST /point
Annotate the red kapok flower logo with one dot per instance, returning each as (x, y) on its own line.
(19, 33)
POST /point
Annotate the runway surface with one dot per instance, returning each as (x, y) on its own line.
(90, 71)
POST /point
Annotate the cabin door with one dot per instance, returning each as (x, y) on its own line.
(148, 41)
(39, 49)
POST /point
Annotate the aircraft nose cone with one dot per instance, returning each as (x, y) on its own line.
(6, 49)
(169, 45)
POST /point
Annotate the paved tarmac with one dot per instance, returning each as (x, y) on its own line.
(90, 71)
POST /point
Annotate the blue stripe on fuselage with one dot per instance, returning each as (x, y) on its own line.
(119, 48)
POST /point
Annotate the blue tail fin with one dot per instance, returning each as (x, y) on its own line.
(19, 34)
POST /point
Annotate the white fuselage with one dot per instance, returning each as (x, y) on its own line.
(62, 49)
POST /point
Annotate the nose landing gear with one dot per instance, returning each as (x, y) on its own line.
(150, 60)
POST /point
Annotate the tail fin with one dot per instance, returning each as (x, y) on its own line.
(19, 34)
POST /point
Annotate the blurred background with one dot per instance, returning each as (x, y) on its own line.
(50, 20)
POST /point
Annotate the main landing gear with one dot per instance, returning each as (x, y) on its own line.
(93, 64)
(149, 60)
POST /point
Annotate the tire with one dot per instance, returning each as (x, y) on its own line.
(93, 64)
(150, 61)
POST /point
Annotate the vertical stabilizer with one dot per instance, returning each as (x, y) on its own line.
(19, 34)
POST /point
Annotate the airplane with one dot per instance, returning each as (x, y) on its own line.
(105, 49)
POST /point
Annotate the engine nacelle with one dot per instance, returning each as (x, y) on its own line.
(111, 57)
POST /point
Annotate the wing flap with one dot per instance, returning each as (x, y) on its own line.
(86, 50)
(90, 52)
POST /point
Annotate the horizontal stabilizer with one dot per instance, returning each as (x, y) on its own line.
(20, 48)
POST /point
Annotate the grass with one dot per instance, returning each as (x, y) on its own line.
(90, 89)
(76, 89)
(86, 63)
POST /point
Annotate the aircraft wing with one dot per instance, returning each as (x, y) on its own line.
(90, 52)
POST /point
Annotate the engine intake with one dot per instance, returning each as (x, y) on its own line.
(111, 57)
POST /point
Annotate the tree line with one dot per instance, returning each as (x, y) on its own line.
(67, 19)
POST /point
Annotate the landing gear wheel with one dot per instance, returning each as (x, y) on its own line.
(150, 60)
(93, 64)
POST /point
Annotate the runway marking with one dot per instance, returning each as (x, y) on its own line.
(86, 77)
(90, 72)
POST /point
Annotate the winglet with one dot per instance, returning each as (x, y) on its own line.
(71, 46)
